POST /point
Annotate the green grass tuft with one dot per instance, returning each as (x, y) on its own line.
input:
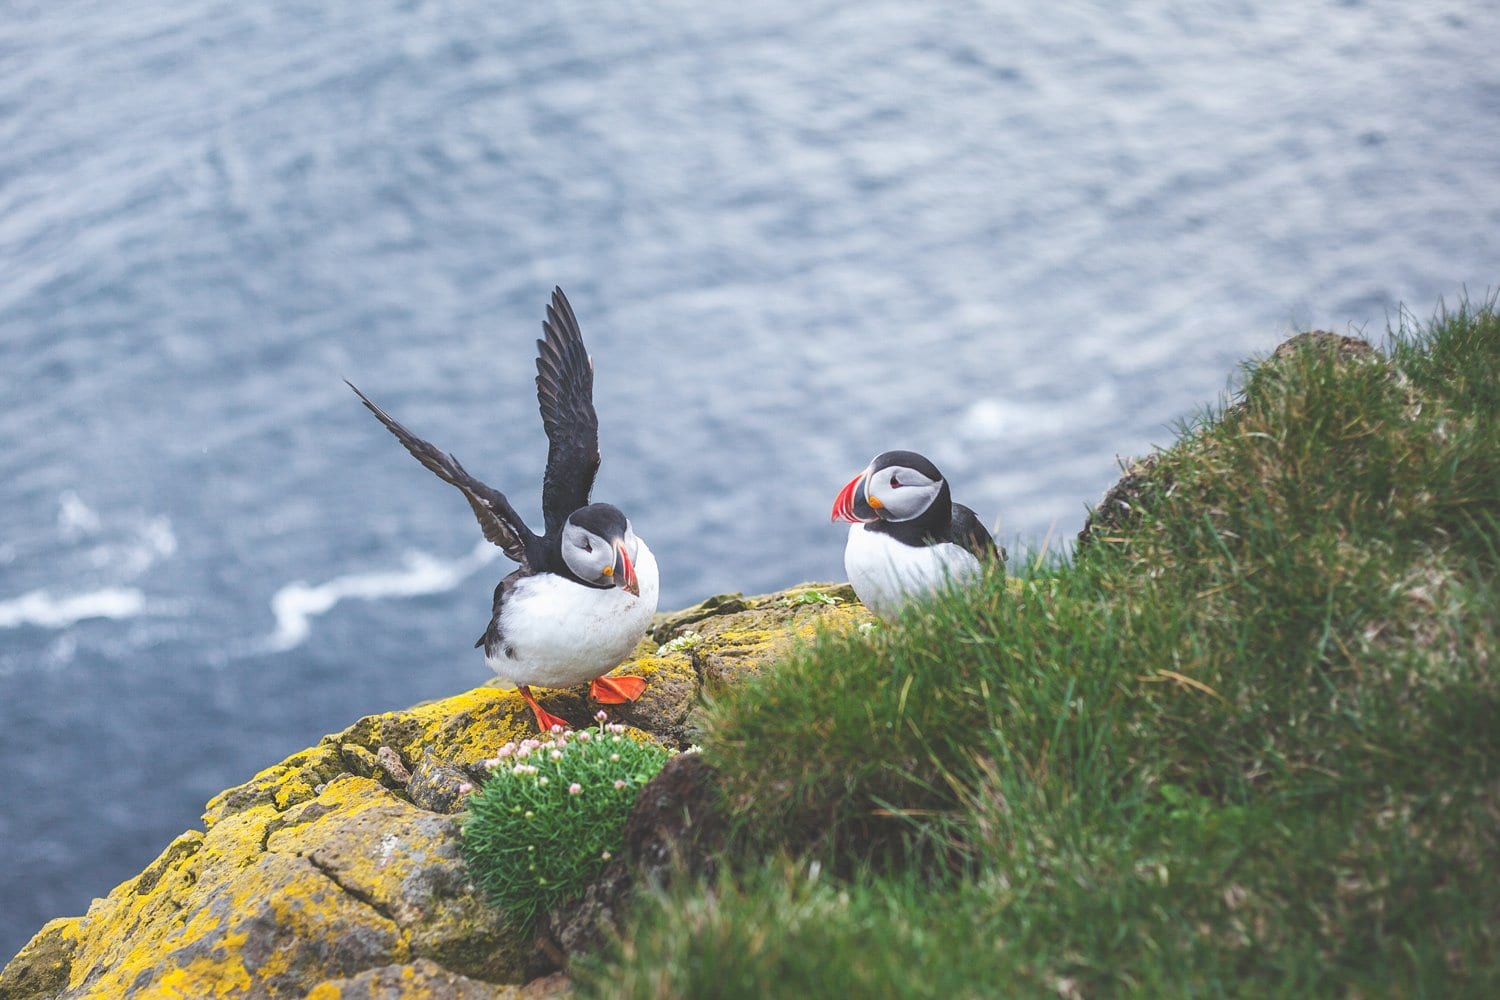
(1247, 742)
(553, 813)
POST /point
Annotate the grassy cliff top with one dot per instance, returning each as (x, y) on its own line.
(1247, 740)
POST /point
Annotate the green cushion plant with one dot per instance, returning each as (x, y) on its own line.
(552, 814)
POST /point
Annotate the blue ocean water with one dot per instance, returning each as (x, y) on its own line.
(1021, 238)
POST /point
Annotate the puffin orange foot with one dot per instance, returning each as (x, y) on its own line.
(616, 690)
(544, 719)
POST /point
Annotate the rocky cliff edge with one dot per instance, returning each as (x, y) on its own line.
(337, 872)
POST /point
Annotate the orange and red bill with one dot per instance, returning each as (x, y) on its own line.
(852, 503)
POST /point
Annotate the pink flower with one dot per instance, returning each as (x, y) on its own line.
(465, 788)
(575, 789)
(619, 784)
(601, 715)
(583, 737)
(556, 728)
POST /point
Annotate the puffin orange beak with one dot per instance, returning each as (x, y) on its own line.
(843, 506)
(623, 572)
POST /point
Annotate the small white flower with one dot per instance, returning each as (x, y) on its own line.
(542, 780)
(556, 728)
(606, 856)
(614, 758)
(465, 788)
(556, 755)
(601, 715)
(619, 784)
(575, 789)
(617, 739)
(583, 737)
(505, 751)
(686, 640)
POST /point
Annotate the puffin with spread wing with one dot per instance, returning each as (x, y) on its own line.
(586, 588)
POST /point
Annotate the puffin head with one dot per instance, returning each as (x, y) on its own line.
(599, 547)
(895, 486)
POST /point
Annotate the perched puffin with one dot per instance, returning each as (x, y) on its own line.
(587, 588)
(908, 536)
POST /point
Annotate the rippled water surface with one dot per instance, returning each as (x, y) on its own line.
(1021, 240)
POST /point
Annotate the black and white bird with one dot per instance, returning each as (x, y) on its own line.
(587, 587)
(908, 537)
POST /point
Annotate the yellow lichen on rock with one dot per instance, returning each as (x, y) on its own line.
(271, 930)
(424, 980)
(268, 904)
(463, 729)
(41, 968)
(764, 629)
(406, 863)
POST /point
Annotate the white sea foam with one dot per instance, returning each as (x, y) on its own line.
(75, 519)
(45, 610)
(1023, 421)
(124, 546)
(154, 541)
(297, 603)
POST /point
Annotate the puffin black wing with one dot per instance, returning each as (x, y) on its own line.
(497, 518)
(565, 393)
(969, 532)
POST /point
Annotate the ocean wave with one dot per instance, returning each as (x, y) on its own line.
(124, 545)
(76, 519)
(44, 610)
(297, 604)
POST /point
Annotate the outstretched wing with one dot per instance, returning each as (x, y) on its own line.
(565, 393)
(968, 531)
(497, 518)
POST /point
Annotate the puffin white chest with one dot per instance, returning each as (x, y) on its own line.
(558, 633)
(885, 573)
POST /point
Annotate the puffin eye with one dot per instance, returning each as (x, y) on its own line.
(895, 483)
(586, 546)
